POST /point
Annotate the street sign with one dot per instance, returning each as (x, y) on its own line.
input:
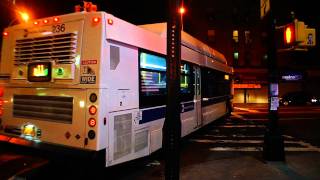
(264, 8)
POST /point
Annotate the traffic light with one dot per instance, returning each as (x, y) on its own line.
(296, 34)
(289, 34)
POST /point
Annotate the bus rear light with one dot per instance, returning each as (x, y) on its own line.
(93, 97)
(92, 122)
(92, 110)
(36, 22)
(91, 134)
(1, 91)
(56, 19)
(110, 21)
(96, 20)
(5, 33)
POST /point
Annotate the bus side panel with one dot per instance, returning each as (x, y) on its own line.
(188, 118)
(213, 112)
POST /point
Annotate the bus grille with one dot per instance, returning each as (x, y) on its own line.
(52, 108)
(60, 48)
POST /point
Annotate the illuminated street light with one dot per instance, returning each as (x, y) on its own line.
(24, 16)
(182, 10)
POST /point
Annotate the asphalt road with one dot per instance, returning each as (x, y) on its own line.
(240, 136)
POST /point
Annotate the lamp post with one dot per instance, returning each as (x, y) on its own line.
(172, 124)
(273, 148)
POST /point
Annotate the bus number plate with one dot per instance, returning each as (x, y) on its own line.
(58, 28)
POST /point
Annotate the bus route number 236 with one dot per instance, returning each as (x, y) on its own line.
(58, 28)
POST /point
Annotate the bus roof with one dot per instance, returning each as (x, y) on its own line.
(188, 41)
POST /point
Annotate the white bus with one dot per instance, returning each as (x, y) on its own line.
(93, 83)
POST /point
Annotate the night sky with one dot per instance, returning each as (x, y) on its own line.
(153, 11)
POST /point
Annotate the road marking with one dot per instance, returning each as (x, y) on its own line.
(237, 115)
(253, 149)
(234, 135)
(246, 142)
(282, 119)
(246, 109)
(242, 126)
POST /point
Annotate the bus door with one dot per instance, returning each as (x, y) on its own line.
(197, 95)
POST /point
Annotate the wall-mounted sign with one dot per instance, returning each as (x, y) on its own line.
(247, 86)
(292, 76)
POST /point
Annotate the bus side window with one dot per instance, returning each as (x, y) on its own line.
(153, 87)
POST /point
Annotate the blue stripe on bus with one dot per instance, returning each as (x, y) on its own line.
(185, 107)
(159, 113)
(152, 114)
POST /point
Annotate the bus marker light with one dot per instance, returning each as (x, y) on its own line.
(96, 19)
(92, 122)
(56, 19)
(92, 110)
(5, 34)
(36, 23)
(110, 21)
(45, 21)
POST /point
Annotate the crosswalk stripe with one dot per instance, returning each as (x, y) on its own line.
(242, 126)
(242, 141)
(253, 149)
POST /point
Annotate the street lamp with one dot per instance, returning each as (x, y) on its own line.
(24, 16)
(182, 11)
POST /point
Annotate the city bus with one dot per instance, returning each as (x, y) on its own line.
(92, 83)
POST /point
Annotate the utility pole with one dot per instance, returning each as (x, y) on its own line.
(172, 124)
(273, 148)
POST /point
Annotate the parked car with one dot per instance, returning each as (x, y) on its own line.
(299, 98)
